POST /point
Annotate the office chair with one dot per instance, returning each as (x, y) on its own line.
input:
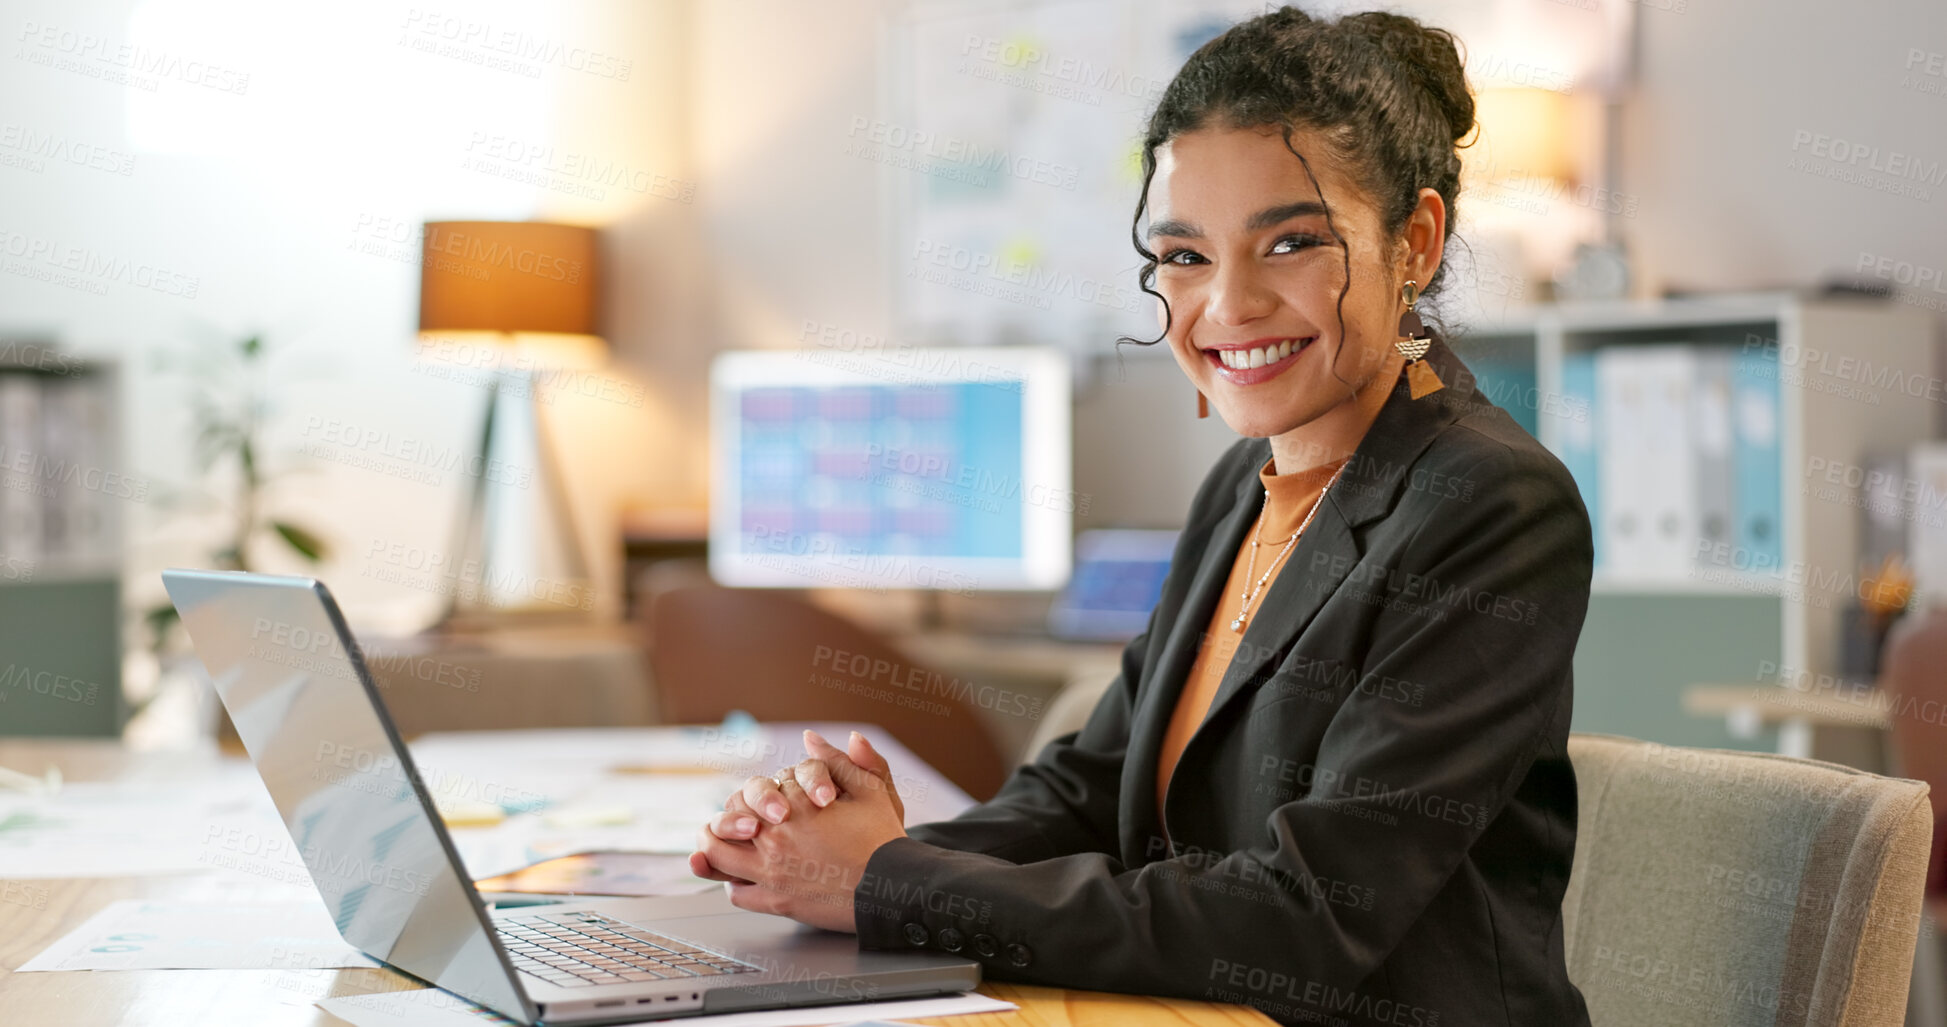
(1736, 889)
(714, 649)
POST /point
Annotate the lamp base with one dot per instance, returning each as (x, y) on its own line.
(516, 556)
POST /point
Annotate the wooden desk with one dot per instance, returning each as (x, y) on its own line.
(1848, 729)
(36, 913)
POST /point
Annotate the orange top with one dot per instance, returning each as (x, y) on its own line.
(1288, 500)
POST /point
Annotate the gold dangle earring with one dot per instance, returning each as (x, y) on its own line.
(1203, 405)
(1421, 378)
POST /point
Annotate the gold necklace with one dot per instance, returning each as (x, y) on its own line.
(1244, 610)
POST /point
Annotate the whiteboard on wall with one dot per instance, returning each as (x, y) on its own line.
(1009, 138)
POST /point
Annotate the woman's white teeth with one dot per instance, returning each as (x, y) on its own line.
(1243, 358)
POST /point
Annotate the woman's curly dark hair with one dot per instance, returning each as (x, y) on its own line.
(1386, 95)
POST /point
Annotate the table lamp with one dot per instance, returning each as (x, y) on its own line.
(1524, 154)
(517, 300)
(1524, 132)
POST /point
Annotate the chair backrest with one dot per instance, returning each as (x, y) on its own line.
(1069, 710)
(770, 653)
(1726, 889)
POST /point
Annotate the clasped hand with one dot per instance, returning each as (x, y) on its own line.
(798, 847)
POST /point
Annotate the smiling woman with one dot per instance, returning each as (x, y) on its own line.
(1331, 780)
(1238, 162)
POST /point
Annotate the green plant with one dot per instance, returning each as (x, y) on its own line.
(230, 403)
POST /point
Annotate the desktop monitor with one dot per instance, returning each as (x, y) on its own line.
(937, 469)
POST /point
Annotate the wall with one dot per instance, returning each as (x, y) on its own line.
(268, 202)
(281, 195)
(1732, 99)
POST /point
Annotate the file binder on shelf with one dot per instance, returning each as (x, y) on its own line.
(1669, 488)
(1581, 426)
(1759, 502)
(1646, 471)
(60, 489)
(1714, 443)
(20, 489)
(1773, 600)
(78, 515)
(1510, 385)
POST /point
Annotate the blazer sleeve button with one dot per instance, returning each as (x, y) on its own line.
(984, 944)
(951, 939)
(916, 934)
(1019, 955)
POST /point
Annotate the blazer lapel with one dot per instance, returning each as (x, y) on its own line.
(1172, 669)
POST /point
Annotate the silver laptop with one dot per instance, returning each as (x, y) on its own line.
(290, 674)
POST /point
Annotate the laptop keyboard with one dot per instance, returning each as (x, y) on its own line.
(578, 950)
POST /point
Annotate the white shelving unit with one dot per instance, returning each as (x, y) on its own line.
(63, 489)
(1855, 376)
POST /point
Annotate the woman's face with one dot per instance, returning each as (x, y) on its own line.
(1252, 274)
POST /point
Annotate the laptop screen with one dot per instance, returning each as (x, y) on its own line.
(306, 710)
(1118, 579)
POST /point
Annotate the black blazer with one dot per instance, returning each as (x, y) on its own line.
(1375, 820)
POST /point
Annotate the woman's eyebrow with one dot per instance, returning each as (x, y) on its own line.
(1263, 219)
(1270, 216)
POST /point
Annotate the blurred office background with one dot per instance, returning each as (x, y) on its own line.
(215, 221)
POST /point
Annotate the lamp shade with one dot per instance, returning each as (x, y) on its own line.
(527, 284)
(1525, 132)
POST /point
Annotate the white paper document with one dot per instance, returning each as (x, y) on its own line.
(429, 1007)
(129, 829)
(637, 790)
(138, 935)
(629, 813)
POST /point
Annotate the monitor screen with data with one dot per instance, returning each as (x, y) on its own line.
(938, 469)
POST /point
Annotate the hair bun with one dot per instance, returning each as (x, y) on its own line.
(1430, 55)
